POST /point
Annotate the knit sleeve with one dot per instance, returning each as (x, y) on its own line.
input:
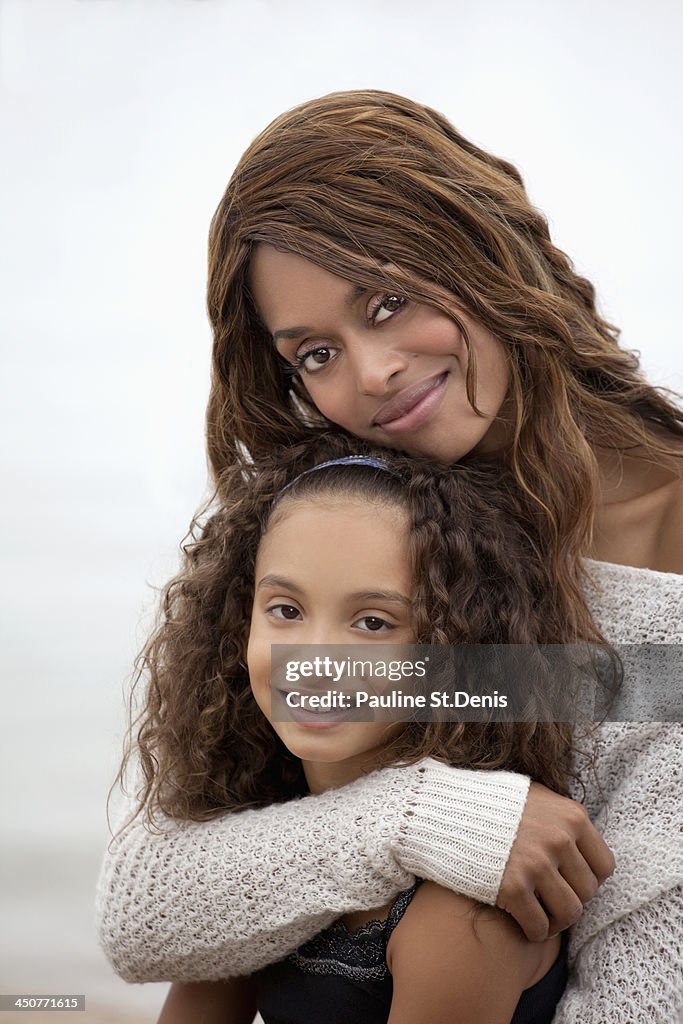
(631, 972)
(202, 901)
(626, 951)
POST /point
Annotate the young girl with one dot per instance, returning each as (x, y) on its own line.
(352, 550)
(373, 270)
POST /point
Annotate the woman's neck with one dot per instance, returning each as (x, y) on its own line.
(625, 476)
(639, 517)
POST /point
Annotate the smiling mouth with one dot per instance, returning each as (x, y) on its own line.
(412, 406)
(318, 717)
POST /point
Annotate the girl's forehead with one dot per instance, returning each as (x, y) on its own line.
(359, 508)
(332, 547)
(332, 527)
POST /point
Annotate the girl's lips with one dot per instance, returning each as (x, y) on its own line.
(411, 407)
(319, 719)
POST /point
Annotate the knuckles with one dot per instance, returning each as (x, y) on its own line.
(574, 913)
(560, 842)
(577, 816)
(612, 864)
(512, 891)
(587, 890)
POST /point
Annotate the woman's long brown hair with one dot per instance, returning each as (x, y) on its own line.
(480, 577)
(356, 181)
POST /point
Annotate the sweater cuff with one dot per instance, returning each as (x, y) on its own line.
(461, 826)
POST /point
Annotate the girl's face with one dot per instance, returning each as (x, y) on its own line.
(329, 570)
(386, 369)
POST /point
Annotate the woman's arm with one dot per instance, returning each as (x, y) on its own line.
(626, 953)
(196, 901)
(453, 966)
(631, 972)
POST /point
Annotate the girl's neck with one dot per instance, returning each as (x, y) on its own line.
(322, 776)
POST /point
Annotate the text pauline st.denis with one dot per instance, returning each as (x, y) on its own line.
(395, 699)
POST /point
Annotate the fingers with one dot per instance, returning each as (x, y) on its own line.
(578, 875)
(556, 864)
(545, 910)
(521, 903)
(563, 907)
(582, 833)
(596, 853)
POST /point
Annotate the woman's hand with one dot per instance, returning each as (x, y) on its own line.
(557, 863)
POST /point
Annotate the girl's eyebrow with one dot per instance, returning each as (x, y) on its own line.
(277, 583)
(290, 333)
(282, 583)
(381, 595)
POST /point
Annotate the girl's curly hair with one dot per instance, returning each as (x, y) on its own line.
(480, 577)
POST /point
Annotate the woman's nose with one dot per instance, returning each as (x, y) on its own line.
(374, 366)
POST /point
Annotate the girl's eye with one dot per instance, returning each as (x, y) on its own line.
(372, 624)
(284, 611)
(313, 360)
(383, 307)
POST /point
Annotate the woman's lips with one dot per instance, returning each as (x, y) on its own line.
(412, 406)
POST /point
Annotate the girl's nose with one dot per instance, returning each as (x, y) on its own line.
(323, 631)
(324, 634)
(375, 366)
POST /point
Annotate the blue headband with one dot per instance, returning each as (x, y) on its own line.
(346, 460)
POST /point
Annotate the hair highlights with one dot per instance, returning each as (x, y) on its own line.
(359, 182)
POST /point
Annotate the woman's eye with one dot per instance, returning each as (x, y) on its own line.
(284, 611)
(372, 624)
(314, 359)
(384, 306)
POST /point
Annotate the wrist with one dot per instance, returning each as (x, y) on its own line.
(460, 827)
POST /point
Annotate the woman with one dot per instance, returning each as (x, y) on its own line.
(372, 269)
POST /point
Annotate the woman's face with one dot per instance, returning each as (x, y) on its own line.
(385, 368)
(329, 570)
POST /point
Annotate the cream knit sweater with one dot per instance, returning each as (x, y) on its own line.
(212, 900)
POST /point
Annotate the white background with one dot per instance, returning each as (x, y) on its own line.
(121, 121)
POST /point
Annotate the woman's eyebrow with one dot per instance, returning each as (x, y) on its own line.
(291, 333)
(355, 293)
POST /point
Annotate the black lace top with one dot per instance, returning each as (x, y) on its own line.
(341, 977)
